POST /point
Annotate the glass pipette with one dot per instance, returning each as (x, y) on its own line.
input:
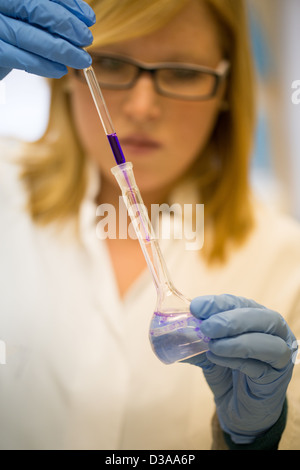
(104, 114)
(174, 333)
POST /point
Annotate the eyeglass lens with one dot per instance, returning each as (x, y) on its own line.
(181, 81)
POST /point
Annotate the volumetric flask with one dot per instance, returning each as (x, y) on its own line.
(174, 333)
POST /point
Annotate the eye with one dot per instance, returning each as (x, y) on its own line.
(182, 75)
(110, 64)
(113, 72)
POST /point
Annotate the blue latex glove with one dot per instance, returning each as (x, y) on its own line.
(249, 363)
(44, 36)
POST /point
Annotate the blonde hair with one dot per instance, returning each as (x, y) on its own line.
(54, 169)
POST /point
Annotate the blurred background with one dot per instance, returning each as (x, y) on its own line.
(276, 45)
(275, 172)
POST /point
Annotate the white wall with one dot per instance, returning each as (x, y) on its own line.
(290, 71)
(280, 24)
(24, 104)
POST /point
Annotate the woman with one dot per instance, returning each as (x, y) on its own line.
(80, 371)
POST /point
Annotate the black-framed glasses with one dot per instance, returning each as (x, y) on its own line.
(172, 79)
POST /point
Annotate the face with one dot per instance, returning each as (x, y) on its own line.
(161, 136)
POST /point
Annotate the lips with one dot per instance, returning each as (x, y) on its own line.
(139, 144)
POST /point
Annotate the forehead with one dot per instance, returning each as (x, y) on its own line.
(191, 36)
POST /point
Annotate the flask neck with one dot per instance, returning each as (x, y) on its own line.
(157, 266)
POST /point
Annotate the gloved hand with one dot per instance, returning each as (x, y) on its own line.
(249, 363)
(44, 36)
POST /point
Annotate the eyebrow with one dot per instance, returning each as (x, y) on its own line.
(175, 58)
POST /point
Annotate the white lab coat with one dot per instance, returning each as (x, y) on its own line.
(80, 372)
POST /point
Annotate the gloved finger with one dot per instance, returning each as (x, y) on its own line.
(199, 360)
(218, 377)
(242, 320)
(13, 57)
(49, 16)
(252, 368)
(41, 43)
(79, 8)
(265, 348)
(205, 306)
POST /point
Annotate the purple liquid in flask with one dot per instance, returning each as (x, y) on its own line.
(176, 337)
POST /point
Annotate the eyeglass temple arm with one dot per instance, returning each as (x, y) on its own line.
(223, 68)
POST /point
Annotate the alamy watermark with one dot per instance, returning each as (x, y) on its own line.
(171, 222)
(296, 94)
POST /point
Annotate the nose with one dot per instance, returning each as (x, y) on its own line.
(141, 103)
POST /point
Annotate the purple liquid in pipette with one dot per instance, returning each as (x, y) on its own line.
(116, 148)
